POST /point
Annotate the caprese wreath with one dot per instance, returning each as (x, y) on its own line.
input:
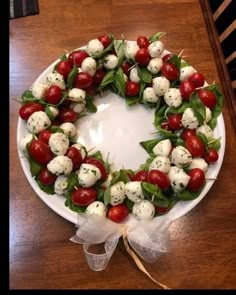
(185, 108)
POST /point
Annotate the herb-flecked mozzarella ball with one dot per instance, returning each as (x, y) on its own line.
(134, 75)
(97, 208)
(110, 61)
(173, 97)
(24, 140)
(189, 120)
(133, 191)
(60, 165)
(77, 107)
(160, 85)
(162, 148)
(55, 78)
(178, 178)
(186, 72)
(39, 90)
(149, 95)
(117, 193)
(94, 47)
(155, 49)
(60, 185)
(58, 143)
(131, 49)
(143, 210)
(208, 115)
(38, 122)
(77, 94)
(81, 149)
(88, 175)
(154, 65)
(206, 130)
(54, 111)
(161, 163)
(199, 163)
(69, 129)
(89, 65)
(181, 157)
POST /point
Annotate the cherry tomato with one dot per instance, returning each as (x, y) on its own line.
(166, 57)
(197, 179)
(125, 67)
(186, 89)
(130, 175)
(63, 68)
(40, 152)
(98, 164)
(143, 42)
(28, 109)
(211, 156)
(158, 178)
(105, 40)
(140, 176)
(170, 71)
(188, 132)
(75, 156)
(164, 125)
(91, 90)
(118, 213)
(44, 136)
(77, 57)
(67, 115)
(84, 196)
(208, 98)
(132, 88)
(98, 76)
(195, 146)
(174, 121)
(142, 57)
(83, 80)
(53, 94)
(46, 177)
(161, 210)
(197, 79)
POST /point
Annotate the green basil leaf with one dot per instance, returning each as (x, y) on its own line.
(219, 105)
(48, 189)
(187, 195)
(63, 57)
(49, 112)
(145, 166)
(203, 137)
(144, 74)
(35, 168)
(90, 106)
(214, 143)
(120, 82)
(154, 194)
(129, 204)
(120, 175)
(71, 77)
(107, 196)
(148, 145)
(72, 182)
(156, 36)
(159, 115)
(180, 109)
(107, 49)
(176, 60)
(141, 88)
(27, 94)
(119, 46)
(55, 128)
(166, 134)
(108, 79)
(132, 100)
(98, 156)
(177, 141)
(198, 107)
(184, 64)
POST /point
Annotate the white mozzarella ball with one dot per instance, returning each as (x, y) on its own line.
(186, 72)
(110, 61)
(60, 165)
(199, 163)
(134, 75)
(181, 157)
(54, 111)
(23, 142)
(89, 65)
(117, 193)
(206, 130)
(131, 49)
(162, 148)
(39, 90)
(133, 191)
(107, 182)
(38, 122)
(69, 129)
(97, 208)
(77, 107)
(160, 85)
(88, 175)
(189, 120)
(154, 65)
(149, 95)
(58, 143)
(208, 115)
(173, 97)
(94, 47)
(178, 178)
(60, 185)
(77, 94)
(155, 49)
(161, 163)
(143, 210)
(55, 78)
(80, 148)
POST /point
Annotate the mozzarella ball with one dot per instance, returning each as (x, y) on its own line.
(134, 75)
(199, 163)
(81, 149)
(97, 208)
(161, 163)
(88, 175)
(56, 79)
(154, 65)
(149, 95)
(69, 129)
(131, 49)
(178, 178)
(181, 157)
(107, 182)
(60, 165)
(39, 90)
(23, 142)
(156, 48)
(77, 107)
(208, 115)
(133, 191)
(94, 47)
(110, 61)
(189, 120)
(206, 130)
(60, 185)
(143, 210)
(38, 122)
(54, 111)
(117, 193)
(160, 85)
(173, 97)
(58, 143)
(89, 65)
(186, 72)
(77, 94)
(162, 148)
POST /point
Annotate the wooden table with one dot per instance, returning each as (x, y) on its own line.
(203, 242)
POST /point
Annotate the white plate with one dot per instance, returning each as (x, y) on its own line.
(117, 129)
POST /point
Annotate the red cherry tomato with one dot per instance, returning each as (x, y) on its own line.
(143, 42)
(105, 40)
(84, 196)
(63, 68)
(98, 76)
(161, 210)
(77, 57)
(142, 57)
(197, 179)
(188, 132)
(170, 71)
(166, 57)
(44, 136)
(29, 108)
(53, 94)
(125, 67)
(197, 79)
(91, 90)
(83, 80)
(195, 146)
(40, 152)
(140, 176)
(186, 89)
(174, 121)
(132, 88)
(75, 156)
(98, 164)
(46, 177)
(67, 115)
(118, 213)
(211, 156)
(208, 98)
(158, 178)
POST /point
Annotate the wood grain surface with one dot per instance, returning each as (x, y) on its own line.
(203, 242)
